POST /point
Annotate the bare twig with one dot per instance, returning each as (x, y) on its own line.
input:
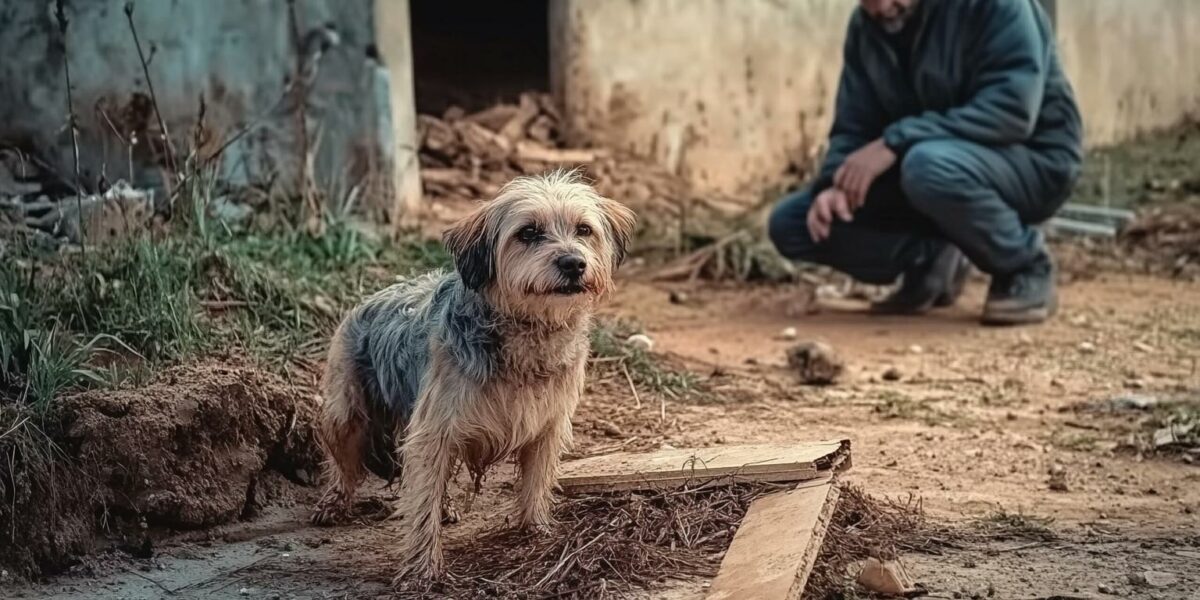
(300, 91)
(60, 14)
(169, 591)
(162, 125)
(637, 399)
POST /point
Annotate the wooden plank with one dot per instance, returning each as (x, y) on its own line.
(674, 468)
(774, 550)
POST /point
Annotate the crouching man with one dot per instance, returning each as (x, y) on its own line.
(955, 133)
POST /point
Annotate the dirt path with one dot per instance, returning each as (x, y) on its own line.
(975, 425)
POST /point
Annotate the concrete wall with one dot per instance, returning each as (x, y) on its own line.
(727, 92)
(236, 54)
(1135, 65)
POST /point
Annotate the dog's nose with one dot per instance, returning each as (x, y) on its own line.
(571, 265)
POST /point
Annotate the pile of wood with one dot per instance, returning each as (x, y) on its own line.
(467, 157)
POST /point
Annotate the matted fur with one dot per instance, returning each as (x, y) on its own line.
(473, 365)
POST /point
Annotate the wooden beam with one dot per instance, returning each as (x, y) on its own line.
(678, 467)
(774, 550)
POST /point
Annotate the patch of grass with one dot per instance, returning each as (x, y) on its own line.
(1002, 524)
(609, 347)
(894, 405)
(1079, 442)
(69, 321)
(1156, 167)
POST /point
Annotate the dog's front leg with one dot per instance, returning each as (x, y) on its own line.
(428, 455)
(539, 474)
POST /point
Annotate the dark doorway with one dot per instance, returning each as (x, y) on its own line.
(474, 54)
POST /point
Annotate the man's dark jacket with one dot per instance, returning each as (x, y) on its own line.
(985, 71)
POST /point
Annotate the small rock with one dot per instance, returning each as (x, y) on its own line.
(892, 374)
(641, 341)
(677, 297)
(886, 577)
(244, 591)
(788, 333)
(1144, 347)
(1087, 347)
(610, 429)
(1058, 479)
(1025, 339)
(1156, 579)
(915, 349)
(1107, 589)
(815, 362)
(1133, 402)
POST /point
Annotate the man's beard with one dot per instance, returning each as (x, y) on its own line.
(895, 24)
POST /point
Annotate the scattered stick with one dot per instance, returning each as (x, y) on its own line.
(60, 14)
(301, 95)
(637, 398)
(169, 591)
(162, 125)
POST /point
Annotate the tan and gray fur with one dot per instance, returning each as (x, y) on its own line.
(476, 365)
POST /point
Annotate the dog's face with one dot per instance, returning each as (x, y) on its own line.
(545, 248)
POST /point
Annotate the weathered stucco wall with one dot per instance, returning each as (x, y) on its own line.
(1135, 65)
(727, 92)
(236, 54)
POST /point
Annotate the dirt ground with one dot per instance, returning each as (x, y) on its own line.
(990, 427)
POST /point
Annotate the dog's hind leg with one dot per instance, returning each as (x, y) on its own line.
(343, 434)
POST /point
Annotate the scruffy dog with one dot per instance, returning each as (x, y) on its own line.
(477, 365)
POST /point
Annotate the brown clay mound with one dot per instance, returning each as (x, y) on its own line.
(193, 449)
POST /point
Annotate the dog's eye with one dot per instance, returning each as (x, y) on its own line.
(583, 230)
(529, 234)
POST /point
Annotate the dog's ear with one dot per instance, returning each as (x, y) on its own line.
(473, 250)
(621, 222)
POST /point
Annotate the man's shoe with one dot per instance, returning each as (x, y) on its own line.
(1025, 297)
(938, 282)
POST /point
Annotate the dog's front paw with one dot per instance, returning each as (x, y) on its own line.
(418, 578)
(540, 524)
(331, 510)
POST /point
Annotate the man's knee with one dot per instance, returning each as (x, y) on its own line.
(931, 170)
(788, 226)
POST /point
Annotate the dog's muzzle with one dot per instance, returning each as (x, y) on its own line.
(572, 268)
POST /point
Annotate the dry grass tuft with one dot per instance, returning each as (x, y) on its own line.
(603, 546)
(612, 545)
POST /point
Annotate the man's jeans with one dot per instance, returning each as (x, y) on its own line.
(983, 199)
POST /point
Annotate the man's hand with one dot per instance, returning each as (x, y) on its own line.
(861, 169)
(820, 215)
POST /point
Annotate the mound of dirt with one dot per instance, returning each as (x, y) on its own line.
(200, 446)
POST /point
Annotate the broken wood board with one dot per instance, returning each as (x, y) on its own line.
(677, 467)
(776, 546)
